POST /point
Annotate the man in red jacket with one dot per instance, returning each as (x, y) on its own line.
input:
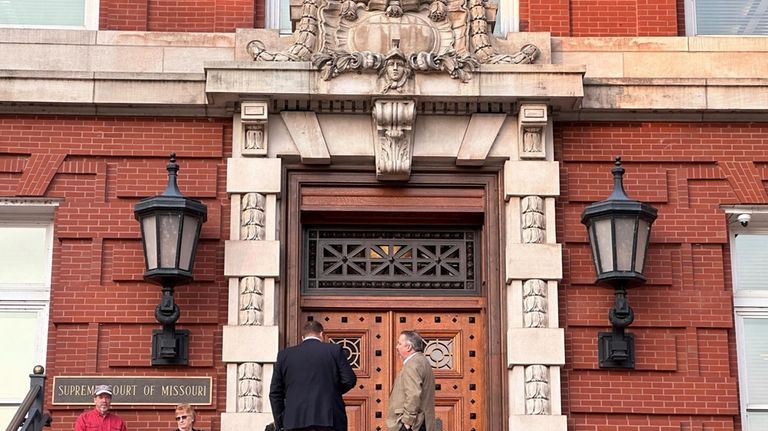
(100, 418)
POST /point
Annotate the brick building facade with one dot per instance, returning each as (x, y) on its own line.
(282, 145)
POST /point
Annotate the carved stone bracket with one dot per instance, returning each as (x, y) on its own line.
(249, 387)
(393, 142)
(532, 125)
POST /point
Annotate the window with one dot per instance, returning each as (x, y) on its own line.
(732, 17)
(75, 14)
(749, 254)
(26, 239)
(371, 261)
(278, 16)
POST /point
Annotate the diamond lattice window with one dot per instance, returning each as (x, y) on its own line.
(345, 260)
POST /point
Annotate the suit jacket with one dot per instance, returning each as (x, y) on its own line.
(307, 385)
(412, 401)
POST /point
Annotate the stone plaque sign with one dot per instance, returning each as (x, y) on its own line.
(134, 390)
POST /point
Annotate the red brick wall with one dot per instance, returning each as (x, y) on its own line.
(102, 313)
(177, 15)
(686, 375)
(600, 17)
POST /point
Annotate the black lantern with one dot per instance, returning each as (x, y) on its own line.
(618, 229)
(170, 229)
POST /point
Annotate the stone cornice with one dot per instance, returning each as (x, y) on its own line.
(558, 85)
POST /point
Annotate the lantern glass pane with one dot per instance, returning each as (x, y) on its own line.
(625, 241)
(643, 232)
(593, 245)
(188, 239)
(169, 238)
(604, 238)
(149, 226)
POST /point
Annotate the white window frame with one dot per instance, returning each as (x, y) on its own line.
(691, 26)
(90, 20)
(747, 304)
(507, 16)
(30, 297)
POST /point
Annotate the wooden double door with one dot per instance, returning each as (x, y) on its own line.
(455, 347)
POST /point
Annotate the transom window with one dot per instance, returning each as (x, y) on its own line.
(76, 14)
(732, 17)
(371, 261)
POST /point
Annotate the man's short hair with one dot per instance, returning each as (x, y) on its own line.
(312, 327)
(415, 340)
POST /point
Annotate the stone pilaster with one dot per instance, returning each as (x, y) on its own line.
(251, 262)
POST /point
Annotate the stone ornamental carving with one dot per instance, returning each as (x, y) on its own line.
(532, 122)
(449, 36)
(253, 117)
(537, 390)
(249, 388)
(254, 137)
(394, 138)
(252, 216)
(533, 220)
(251, 301)
(535, 304)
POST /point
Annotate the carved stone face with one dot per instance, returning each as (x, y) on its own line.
(395, 69)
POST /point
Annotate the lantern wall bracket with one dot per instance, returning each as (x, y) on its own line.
(169, 346)
(616, 349)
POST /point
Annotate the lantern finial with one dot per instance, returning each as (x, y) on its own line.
(618, 181)
(172, 189)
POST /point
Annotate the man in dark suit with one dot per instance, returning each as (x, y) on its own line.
(308, 383)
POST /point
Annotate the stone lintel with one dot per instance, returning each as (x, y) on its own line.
(527, 346)
(257, 258)
(239, 341)
(675, 94)
(105, 92)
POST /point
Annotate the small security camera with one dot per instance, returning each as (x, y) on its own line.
(744, 219)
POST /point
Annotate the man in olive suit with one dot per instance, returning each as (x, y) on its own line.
(412, 401)
(308, 383)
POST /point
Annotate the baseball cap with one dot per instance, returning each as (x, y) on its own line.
(102, 389)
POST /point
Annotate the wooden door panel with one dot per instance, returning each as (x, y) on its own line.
(454, 343)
